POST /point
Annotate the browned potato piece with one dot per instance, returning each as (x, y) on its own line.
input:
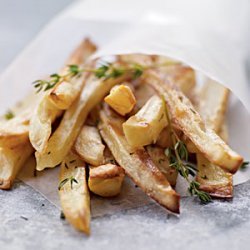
(214, 180)
(121, 99)
(106, 180)
(74, 193)
(186, 119)
(89, 146)
(62, 140)
(161, 161)
(49, 107)
(64, 93)
(138, 165)
(15, 131)
(145, 126)
(11, 161)
(217, 182)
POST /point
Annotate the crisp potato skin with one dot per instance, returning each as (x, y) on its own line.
(64, 93)
(62, 140)
(75, 199)
(145, 126)
(214, 180)
(106, 180)
(89, 146)
(187, 119)
(11, 161)
(138, 165)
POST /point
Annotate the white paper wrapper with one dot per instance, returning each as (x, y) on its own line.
(154, 30)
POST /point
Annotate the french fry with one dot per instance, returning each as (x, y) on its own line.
(213, 104)
(89, 146)
(140, 59)
(74, 193)
(161, 162)
(214, 180)
(139, 166)
(41, 124)
(47, 110)
(185, 118)
(142, 94)
(121, 99)
(15, 131)
(181, 75)
(63, 138)
(11, 161)
(106, 180)
(145, 126)
(64, 93)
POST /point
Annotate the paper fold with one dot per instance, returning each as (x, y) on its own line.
(155, 33)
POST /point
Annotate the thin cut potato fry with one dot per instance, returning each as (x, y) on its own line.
(223, 132)
(15, 131)
(139, 166)
(64, 93)
(41, 124)
(46, 112)
(212, 178)
(89, 146)
(74, 193)
(213, 104)
(181, 75)
(161, 161)
(141, 59)
(106, 180)
(11, 161)
(65, 135)
(189, 121)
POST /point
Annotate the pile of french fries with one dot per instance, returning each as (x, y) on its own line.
(99, 129)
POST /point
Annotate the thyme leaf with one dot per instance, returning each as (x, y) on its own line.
(71, 180)
(9, 115)
(178, 159)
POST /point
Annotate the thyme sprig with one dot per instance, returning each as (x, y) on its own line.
(71, 180)
(9, 115)
(106, 70)
(244, 165)
(178, 157)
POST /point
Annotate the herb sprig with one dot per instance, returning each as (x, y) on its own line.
(106, 70)
(71, 180)
(244, 165)
(9, 115)
(178, 157)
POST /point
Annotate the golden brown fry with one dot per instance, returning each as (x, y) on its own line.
(213, 104)
(161, 161)
(15, 131)
(212, 178)
(63, 138)
(89, 146)
(106, 180)
(46, 112)
(139, 166)
(74, 193)
(11, 161)
(41, 124)
(185, 118)
(145, 126)
(64, 93)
